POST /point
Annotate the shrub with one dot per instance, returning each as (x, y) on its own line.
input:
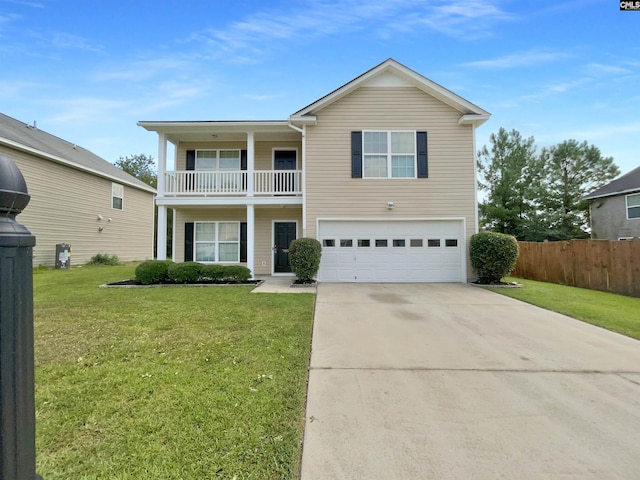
(493, 255)
(153, 271)
(104, 259)
(225, 273)
(236, 273)
(304, 256)
(187, 272)
(212, 272)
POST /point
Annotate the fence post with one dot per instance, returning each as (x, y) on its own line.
(17, 402)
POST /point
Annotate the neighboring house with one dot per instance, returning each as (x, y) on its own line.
(78, 198)
(615, 208)
(381, 171)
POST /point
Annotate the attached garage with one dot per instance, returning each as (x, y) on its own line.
(416, 250)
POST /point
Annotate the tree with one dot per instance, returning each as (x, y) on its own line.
(140, 166)
(511, 174)
(571, 171)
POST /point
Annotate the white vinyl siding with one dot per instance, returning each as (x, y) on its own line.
(216, 242)
(633, 206)
(389, 154)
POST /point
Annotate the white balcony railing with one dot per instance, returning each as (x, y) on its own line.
(203, 182)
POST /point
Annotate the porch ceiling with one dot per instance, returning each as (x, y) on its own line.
(223, 131)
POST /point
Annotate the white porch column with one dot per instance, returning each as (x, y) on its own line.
(161, 245)
(251, 240)
(161, 242)
(250, 164)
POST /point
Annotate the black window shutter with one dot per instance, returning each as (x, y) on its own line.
(356, 154)
(188, 242)
(243, 241)
(423, 167)
(243, 159)
(191, 159)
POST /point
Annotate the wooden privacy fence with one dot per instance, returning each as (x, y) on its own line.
(608, 265)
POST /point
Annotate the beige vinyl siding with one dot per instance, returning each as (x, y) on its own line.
(332, 193)
(263, 151)
(64, 208)
(264, 217)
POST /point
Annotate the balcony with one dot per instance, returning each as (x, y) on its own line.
(233, 183)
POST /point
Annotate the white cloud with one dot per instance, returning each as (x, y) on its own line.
(529, 58)
(84, 110)
(251, 38)
(141, 70)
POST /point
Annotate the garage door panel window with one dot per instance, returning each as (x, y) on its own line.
(346, 243)
(381, 243)
(399, 243)
(415, 242)
(328, 242)
(451, 242)
(433, 242)
(217, 242)
(364, 243)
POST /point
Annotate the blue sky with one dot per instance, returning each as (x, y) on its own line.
(88, 71)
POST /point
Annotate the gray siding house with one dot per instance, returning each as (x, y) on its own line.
(615, 208)
(78, 198)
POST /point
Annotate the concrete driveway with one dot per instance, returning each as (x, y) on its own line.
(449, 381)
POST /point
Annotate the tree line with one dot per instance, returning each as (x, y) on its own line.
(539, 195)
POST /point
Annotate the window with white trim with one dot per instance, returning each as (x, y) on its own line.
(117, 196)
(633, 206)
(216, 242)
(220, 160)
(389, 154)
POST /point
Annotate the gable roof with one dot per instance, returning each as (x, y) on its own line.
(627, 183)
(470, 113)
(27, 138)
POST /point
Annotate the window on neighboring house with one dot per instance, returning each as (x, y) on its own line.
(217, 242)
(117, 196)
(390, 154)
(633, 206)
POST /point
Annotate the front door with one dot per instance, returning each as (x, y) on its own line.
(283, 234)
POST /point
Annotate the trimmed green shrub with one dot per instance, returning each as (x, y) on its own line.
(236, 273)
(187, 272)
(153, 271)
(104, 259)
(304, 257)
(493, 255)
(212, 272)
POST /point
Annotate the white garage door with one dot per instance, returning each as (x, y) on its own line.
(391, 251)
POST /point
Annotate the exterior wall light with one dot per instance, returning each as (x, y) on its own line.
(391, 205)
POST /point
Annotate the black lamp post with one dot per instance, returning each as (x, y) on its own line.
(17, 403)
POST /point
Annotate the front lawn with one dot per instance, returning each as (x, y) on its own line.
(617, 313)
(167, 383)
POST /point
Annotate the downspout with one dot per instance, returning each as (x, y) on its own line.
(303, 160)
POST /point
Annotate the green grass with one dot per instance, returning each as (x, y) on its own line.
(617, 313)
(167, 383)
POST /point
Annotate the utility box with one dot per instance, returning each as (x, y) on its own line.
(63, 255)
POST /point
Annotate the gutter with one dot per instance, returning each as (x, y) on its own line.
(303, 160)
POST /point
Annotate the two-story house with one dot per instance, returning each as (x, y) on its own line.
(381, 171)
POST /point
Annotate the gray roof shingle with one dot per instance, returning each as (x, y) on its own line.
(52, 146)
(627, 183)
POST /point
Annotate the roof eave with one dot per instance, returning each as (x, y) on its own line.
(613, 194)
(473, 119)
(68, 163)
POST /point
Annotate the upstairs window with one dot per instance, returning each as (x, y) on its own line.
(220, 160)
(117, 196)
(633, 206)
(390, 154)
